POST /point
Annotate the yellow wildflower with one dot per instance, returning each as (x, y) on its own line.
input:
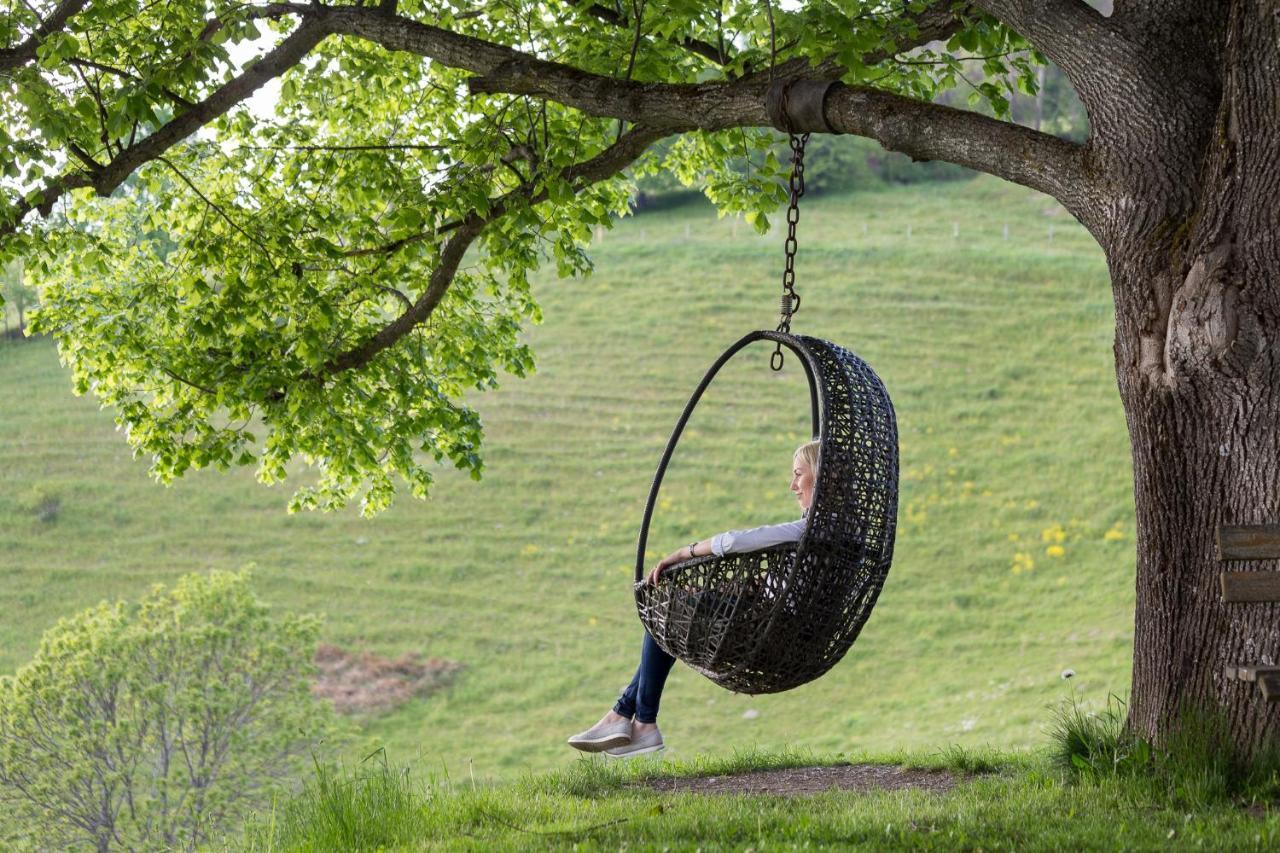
(1055, 551)
(1053, 534)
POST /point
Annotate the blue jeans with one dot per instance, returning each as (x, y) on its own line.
(641, 698)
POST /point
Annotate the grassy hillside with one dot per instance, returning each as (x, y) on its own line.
(1015, 551)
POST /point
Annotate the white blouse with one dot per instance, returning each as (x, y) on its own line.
(738, 541)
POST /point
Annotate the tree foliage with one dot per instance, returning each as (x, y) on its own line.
(329, 283)
(150, 726)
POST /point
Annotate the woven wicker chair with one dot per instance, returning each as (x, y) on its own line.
(770, 620)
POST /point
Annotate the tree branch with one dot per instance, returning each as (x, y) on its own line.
(120, 72)
(380, 25)
(609, 162)
(1069, 32)
(274, 63)
(13, 57)
(1074, 36)
(919, 129)
(926, 131)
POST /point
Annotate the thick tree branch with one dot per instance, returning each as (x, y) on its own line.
(926, 131)
(919, 129)
(1092, 52)
(274, 63)
(395, 33)
(1070, 32)
(14, 57)
(609, 162)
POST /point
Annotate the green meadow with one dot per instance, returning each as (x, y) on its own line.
(985, 309)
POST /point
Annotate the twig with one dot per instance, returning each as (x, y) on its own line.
(222, 213)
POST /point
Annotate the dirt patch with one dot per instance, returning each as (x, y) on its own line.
(811, 780)
(364, 683)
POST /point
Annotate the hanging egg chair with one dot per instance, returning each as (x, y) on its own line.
(770, 620)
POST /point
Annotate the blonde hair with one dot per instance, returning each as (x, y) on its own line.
(809, 453)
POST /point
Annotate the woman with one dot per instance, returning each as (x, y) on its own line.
(631, 728)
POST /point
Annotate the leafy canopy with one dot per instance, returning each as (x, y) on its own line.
(235, 301)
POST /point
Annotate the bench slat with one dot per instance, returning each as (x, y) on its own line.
(1250, 586)
(1251, 672)
(1249, 542)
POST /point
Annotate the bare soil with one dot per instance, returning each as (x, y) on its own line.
(363, 683)
(793, 781)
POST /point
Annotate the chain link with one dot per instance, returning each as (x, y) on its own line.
(790, 299)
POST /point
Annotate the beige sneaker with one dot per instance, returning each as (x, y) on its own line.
(647, 744)
(603, 736)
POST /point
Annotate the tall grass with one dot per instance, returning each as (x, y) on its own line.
(370, 806)
(1197, 766)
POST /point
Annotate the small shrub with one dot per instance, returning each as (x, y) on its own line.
(1198, 765)
(150, 726)
(1096, 744)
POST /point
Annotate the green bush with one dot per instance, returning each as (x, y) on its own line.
(1096, 744)
(154, 725)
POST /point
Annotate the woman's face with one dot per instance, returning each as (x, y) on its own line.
(802, 481)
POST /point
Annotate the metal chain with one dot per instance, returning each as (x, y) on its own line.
(790, 299)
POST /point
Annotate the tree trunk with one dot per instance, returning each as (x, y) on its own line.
(1204, 454)
(1195, 267)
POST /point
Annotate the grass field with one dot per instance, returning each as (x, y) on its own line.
(1014, 559)
(999, 802)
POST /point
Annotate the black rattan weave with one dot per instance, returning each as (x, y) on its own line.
(767, 621)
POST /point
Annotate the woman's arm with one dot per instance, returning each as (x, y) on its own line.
(731, 542)
(739, 541)
(701, 548)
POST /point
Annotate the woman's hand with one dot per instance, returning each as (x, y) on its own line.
(677, 556)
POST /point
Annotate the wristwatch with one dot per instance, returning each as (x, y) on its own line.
(691, 554)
